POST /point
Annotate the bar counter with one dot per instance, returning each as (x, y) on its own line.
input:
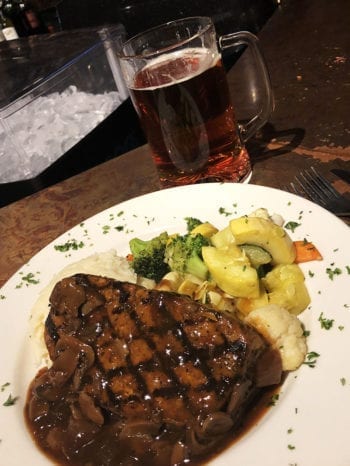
(306, 46)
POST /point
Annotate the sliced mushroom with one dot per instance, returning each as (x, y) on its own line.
(89, 409)
(85, 361)
(239, 392)
(67, 355)
(67, 297)
(139, 429)
(180, 454)
(217, 424)
(50, 386)
(196, 445)
(37, 408)
(93, 300)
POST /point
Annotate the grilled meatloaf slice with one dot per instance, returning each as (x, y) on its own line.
(142, 376)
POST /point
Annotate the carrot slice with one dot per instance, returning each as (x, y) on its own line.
(306, 252)
(129, 257)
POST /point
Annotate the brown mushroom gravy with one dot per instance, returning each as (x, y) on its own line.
(144, 377)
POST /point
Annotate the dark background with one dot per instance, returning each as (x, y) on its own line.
(137, 15)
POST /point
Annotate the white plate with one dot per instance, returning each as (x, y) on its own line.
(310, 423)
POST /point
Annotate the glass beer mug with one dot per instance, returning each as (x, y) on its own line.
(178, 86)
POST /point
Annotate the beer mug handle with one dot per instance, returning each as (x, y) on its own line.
(260, 85)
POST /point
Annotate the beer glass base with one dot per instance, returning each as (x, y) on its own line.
(164, 184)
(221, 169)
(247, 178)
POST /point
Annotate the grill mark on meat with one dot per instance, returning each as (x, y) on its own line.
(160, 359)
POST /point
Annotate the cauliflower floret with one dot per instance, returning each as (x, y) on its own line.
(261, 213)
(264, 213)
(284, 331)
(277, 219)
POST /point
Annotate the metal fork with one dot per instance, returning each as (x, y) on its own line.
(312, 185)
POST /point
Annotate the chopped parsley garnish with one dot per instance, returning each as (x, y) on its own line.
(223, 211)
(29, 278)
(11, 400)
(70, 244)
(348, 269)
(311, 359)
(325, 323)
(112, 216)
(119, 228)
(105, 229)
(311, 274)
(333, 272)
(4, 385)
(291, 447)
(343, 381)
(292, 226)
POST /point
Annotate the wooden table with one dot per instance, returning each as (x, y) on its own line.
(300, 134)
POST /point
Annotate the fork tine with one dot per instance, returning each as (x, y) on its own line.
(303, 186)
(292, 188)
(325, 184)
(312, 188)
(289, 188)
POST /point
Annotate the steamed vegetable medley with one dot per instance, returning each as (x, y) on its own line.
(248, 268)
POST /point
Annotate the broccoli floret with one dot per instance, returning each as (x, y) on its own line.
(192, 223)
(148, 257)
(184, 254)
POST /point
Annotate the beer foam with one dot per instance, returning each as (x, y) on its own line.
(207, 59)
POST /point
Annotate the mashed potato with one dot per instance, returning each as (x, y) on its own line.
(107, 264)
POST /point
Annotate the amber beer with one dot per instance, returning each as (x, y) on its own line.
(185, 109)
